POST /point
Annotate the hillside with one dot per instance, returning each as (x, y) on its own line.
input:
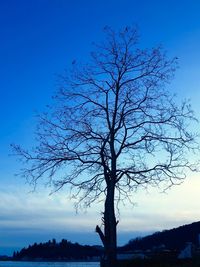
(172, 239)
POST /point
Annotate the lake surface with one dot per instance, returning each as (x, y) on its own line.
(48, 264)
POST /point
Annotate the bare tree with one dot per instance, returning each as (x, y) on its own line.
(114, 128)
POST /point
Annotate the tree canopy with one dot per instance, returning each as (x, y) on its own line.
(114, 106)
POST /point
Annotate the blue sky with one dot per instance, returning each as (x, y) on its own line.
(39, 39)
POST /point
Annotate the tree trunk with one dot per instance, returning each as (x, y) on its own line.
(109, 237)
(110, 226)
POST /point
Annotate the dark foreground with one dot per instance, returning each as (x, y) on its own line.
(157, 263)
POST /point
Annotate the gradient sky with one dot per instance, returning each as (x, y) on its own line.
(39, 39)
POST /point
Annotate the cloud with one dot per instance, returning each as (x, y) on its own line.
(39, 210)
(153, 211)
(26, 218)
(157, 211)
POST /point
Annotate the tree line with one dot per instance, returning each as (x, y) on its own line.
(52, 250)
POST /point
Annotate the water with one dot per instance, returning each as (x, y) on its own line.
(48, 264)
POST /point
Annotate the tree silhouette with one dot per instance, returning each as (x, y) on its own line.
(51, 250)
(114, 127)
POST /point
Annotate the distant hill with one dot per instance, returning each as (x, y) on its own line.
(52, 250)
(172, 239)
